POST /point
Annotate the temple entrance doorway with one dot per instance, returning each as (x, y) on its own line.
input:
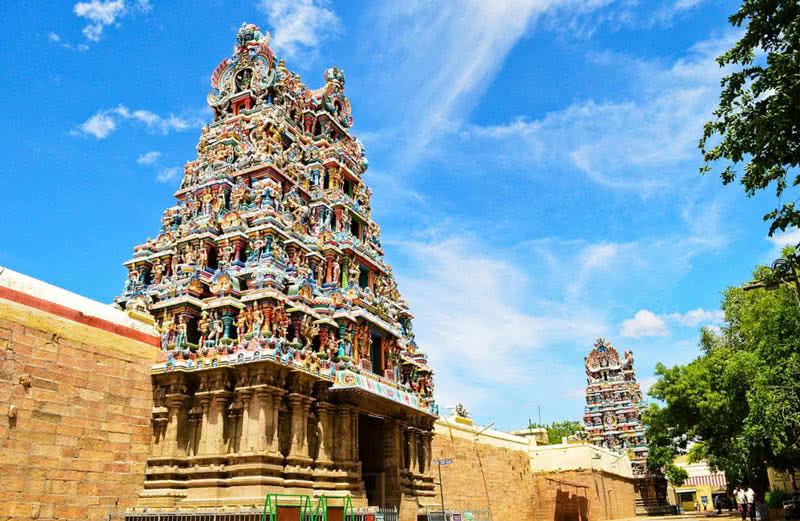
(371, 441)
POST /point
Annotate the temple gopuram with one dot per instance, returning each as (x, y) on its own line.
(613, 419)
(614, 406)
(288, 363)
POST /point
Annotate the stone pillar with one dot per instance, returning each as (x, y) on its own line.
(326, 436)
(215, 444)
(263, 405)
(299, 409)
(353, 434)
(175, 416)
(411, 433)
(427, 441)
(273, 434)
(245, 396)
(203, 439)
(340, 421)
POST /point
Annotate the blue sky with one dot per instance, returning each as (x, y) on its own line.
(534, 165)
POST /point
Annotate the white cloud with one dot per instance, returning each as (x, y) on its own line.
(435, 91)
(697, 316)
(149, 158)
(100, 126)
(102, 13)
(54, 37)
(644, 323)
(474, 318)
(110, 118)
(166, 175)
(144, 6)
(627, 143)
(299, 26)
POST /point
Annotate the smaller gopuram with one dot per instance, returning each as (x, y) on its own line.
(614, 406)
(288, 362)
(613, 419)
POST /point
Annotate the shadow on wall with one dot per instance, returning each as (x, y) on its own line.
(570, 507)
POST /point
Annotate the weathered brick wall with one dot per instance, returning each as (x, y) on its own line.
(561, 496)
(483, 476)
(78, 444)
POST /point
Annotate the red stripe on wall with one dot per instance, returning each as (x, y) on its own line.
(76, 316)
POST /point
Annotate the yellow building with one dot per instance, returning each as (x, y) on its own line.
(700, 490)
(780, 480)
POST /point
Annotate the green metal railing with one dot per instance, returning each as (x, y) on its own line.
(308, 511)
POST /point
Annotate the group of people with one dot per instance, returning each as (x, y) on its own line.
(745, 501)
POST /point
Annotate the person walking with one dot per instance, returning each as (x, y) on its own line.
(718, 504)
(751, 502)
(741, 501)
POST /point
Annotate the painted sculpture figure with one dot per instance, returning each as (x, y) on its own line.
(282, 326)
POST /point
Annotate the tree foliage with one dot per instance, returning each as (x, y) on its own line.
(562, 429)
(755, 123)
(738, 404)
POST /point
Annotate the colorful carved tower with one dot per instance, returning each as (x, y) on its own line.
(614, 406)
(613, 419)
(282, 328)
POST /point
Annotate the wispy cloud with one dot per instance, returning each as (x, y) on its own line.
(56, 39)
(165, 175)
(645, 323)
(473, 318)
(149, 158)
(656, 124)
(437, 90)
(152, 160)
(696, 317)
(103, 13)
(103, 123)
(298, 27)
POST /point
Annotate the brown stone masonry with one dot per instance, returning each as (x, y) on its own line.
(75, 404)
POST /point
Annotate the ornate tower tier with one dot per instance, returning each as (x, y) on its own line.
(288, 360)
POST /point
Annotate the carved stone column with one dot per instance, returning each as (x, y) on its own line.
(353, 431)
(263, 423)
(273, 436)
(341, 423)
(299, 409)
(326, 436)
(245, 397)
(427, 447)
(204, 400)
(216, 422)
(411, 433)
(175, 416)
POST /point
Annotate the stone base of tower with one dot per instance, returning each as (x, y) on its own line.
(227, 437)
(651, 496)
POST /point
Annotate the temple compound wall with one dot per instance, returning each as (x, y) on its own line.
(75, 403)
(490, 471)
(514, 477)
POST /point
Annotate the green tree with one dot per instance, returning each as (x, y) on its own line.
(562, 429)
(755, 123)
(738, 403)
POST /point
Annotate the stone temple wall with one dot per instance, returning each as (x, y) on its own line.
(75, 401)
(490, 471)
(562, 496)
